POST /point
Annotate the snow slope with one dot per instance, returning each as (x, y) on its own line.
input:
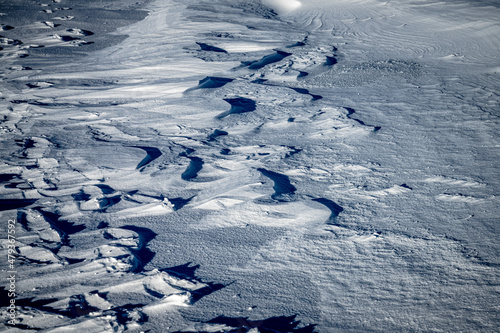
(312, 166)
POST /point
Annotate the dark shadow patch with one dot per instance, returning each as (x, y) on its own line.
(296, 44)
(39, 304)
(196, 295)
(4, 297)
(259, 81)
(62, 227)
(8, 204)
(351, 111)
(22, 220)
(210, 48)
(187, 152)
(143, 254)
(107, 202)
(81, 196)
(152, 154)
(187, 272)
(72, 261)
(332, 206)
(68, 38)
(191, 172)
(225, 151)
(299, 90)
(78, 307)
(306, 92)
(238, 105)
(13, 42)
(106, 189)
(123, 315)
(269, 59)
(281, 324)
(7, 177)
(23, 327)
(102, 225)
(81, 31)
(216, 134)
(302, 74)
(51, 24)
(211, 82)
(177, 202)
(184, 271)
(26, 144)
(330, 61)
(57, 105)
(18, 101)
(157, 197)
(283, 189)
(293, 151)
(153, 293)
(180, 202)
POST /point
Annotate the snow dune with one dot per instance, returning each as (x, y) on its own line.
(285, 166)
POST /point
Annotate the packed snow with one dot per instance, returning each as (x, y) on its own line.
(250, 166)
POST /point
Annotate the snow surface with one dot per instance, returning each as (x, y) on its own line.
(283, 6)
(223, 166)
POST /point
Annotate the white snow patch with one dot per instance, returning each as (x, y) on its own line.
(394, 190)
(453, 181)
(458, 198)
(283, 6)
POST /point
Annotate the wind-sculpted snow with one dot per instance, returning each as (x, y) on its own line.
(332, 206)
(195, 165)
(268, 59)
(152, 154)
(210, 48)
(216, 134)
(275, 324)
(306, 92)
(330, 61)
(298, 90)
(351, 111)
(212, 82)
(283, 189)
(242, 166)
(238, 105)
